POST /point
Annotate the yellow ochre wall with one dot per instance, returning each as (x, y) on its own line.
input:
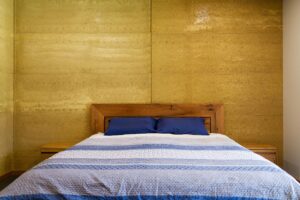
(71, 53)
(227, 51)
(6, 85)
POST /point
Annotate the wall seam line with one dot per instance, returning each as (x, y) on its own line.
(151, 56)
(14, 80)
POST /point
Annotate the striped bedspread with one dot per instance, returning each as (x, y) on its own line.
(155, 166)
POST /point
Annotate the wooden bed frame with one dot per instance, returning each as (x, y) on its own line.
(212, 113)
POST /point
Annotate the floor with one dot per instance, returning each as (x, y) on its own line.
(5, 182)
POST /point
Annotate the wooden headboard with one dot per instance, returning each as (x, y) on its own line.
(212, 113)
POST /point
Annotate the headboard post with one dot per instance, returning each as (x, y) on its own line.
(212, 113)
(97, 120)
(219, 118)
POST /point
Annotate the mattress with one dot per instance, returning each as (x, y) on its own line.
(155, 166)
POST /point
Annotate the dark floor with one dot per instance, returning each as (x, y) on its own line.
(5, 182)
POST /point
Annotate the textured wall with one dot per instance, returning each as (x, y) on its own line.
(71, 53)
(291, 83)
(6, 85)
(222, 51)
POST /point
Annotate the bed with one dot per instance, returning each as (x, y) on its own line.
(155, 166)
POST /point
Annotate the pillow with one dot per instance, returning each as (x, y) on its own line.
(182, 125)
(131, 125)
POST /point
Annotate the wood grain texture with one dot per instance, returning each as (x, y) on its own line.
(222, 51)
(6, 86)
(212, 113)
(52, 148)
(265, 150)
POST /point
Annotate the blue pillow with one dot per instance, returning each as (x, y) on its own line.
(131, 125)
(182, 125)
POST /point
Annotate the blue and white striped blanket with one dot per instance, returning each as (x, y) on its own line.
(155, 166)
